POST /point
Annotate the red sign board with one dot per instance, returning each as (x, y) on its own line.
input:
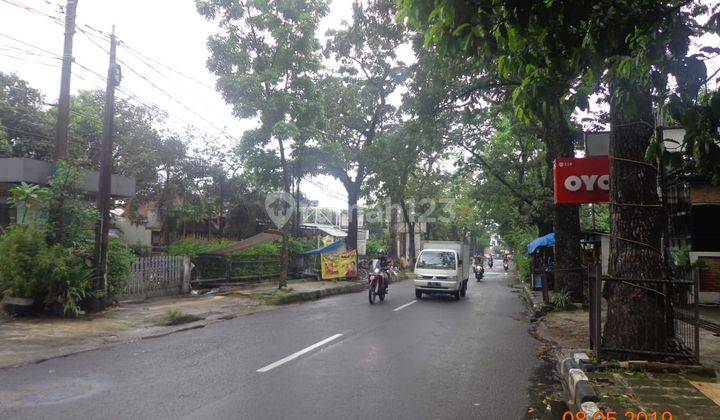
(582, 180)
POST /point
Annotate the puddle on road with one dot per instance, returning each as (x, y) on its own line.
(51, 392)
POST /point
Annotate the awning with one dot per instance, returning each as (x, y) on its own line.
(332, 231)
(327, 248)
(547, 240)
(268, 236)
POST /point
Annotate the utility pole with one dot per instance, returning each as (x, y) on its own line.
(63, 119)
(103, 199)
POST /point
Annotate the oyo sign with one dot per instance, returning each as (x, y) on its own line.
(582, 180)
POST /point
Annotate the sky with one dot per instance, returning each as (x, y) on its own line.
(168, 31)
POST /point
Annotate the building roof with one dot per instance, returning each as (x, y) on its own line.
(330, 230)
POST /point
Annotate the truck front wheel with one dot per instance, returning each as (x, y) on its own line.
(418, 294)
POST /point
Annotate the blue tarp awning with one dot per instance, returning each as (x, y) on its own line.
(327, 248)
(547, 240)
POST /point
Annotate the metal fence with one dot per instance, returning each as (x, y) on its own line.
(158, 276)
(674, 333)
(212, 270)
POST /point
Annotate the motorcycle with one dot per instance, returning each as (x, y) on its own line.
(479, 272)
(378, 283)
(505, 266)
(490, 262)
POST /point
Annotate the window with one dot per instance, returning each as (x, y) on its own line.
(444, 260)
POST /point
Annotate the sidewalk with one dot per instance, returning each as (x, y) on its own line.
(37, 339)
(648, 387)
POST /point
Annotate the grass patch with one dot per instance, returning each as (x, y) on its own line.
(272, 297)
(177, 317)
(524, 299)
(561, 301)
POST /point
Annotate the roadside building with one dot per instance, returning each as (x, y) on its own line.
(14, 171)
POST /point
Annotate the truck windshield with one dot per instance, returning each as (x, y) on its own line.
(436, 259)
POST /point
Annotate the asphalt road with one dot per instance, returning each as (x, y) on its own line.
(338, 358)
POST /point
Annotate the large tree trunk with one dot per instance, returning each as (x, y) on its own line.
(392, 230)
(221, 210)
(284, 257)
(298, 215)
(636, 313)
(352, 234)
(411, 233)
(566, 217)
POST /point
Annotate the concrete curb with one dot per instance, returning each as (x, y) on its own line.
(570, 368)
(576, 383)
(536, 311)
(359, 286)
(319, 294)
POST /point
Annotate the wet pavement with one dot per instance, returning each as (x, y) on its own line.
(340, 357)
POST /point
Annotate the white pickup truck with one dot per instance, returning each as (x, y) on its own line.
(442, 267)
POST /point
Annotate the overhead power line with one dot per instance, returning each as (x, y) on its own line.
(29, 44)
(30, 60)
(133, 50)
(143, 58)
(34, 11)
(222, 131)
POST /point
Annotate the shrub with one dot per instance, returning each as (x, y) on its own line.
(70, 220)
(522, 261)
(69, 280)
(50, 261)
(196, 246)
(120, 260)
(21, 247)
(561, 300)
(52, 275)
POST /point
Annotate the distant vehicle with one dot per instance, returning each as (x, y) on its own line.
(443, 267)
(479, 271)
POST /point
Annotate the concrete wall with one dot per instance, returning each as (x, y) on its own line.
(32, 171)
(132, 233)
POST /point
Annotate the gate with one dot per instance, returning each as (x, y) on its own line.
(680, 319)
(158, 276)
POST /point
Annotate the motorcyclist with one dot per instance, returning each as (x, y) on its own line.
(479, 261)
(384, 264)
(478, 267)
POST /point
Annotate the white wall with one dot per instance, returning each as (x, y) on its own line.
(132, 233)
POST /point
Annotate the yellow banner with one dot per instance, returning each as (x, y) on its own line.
(341, 265)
